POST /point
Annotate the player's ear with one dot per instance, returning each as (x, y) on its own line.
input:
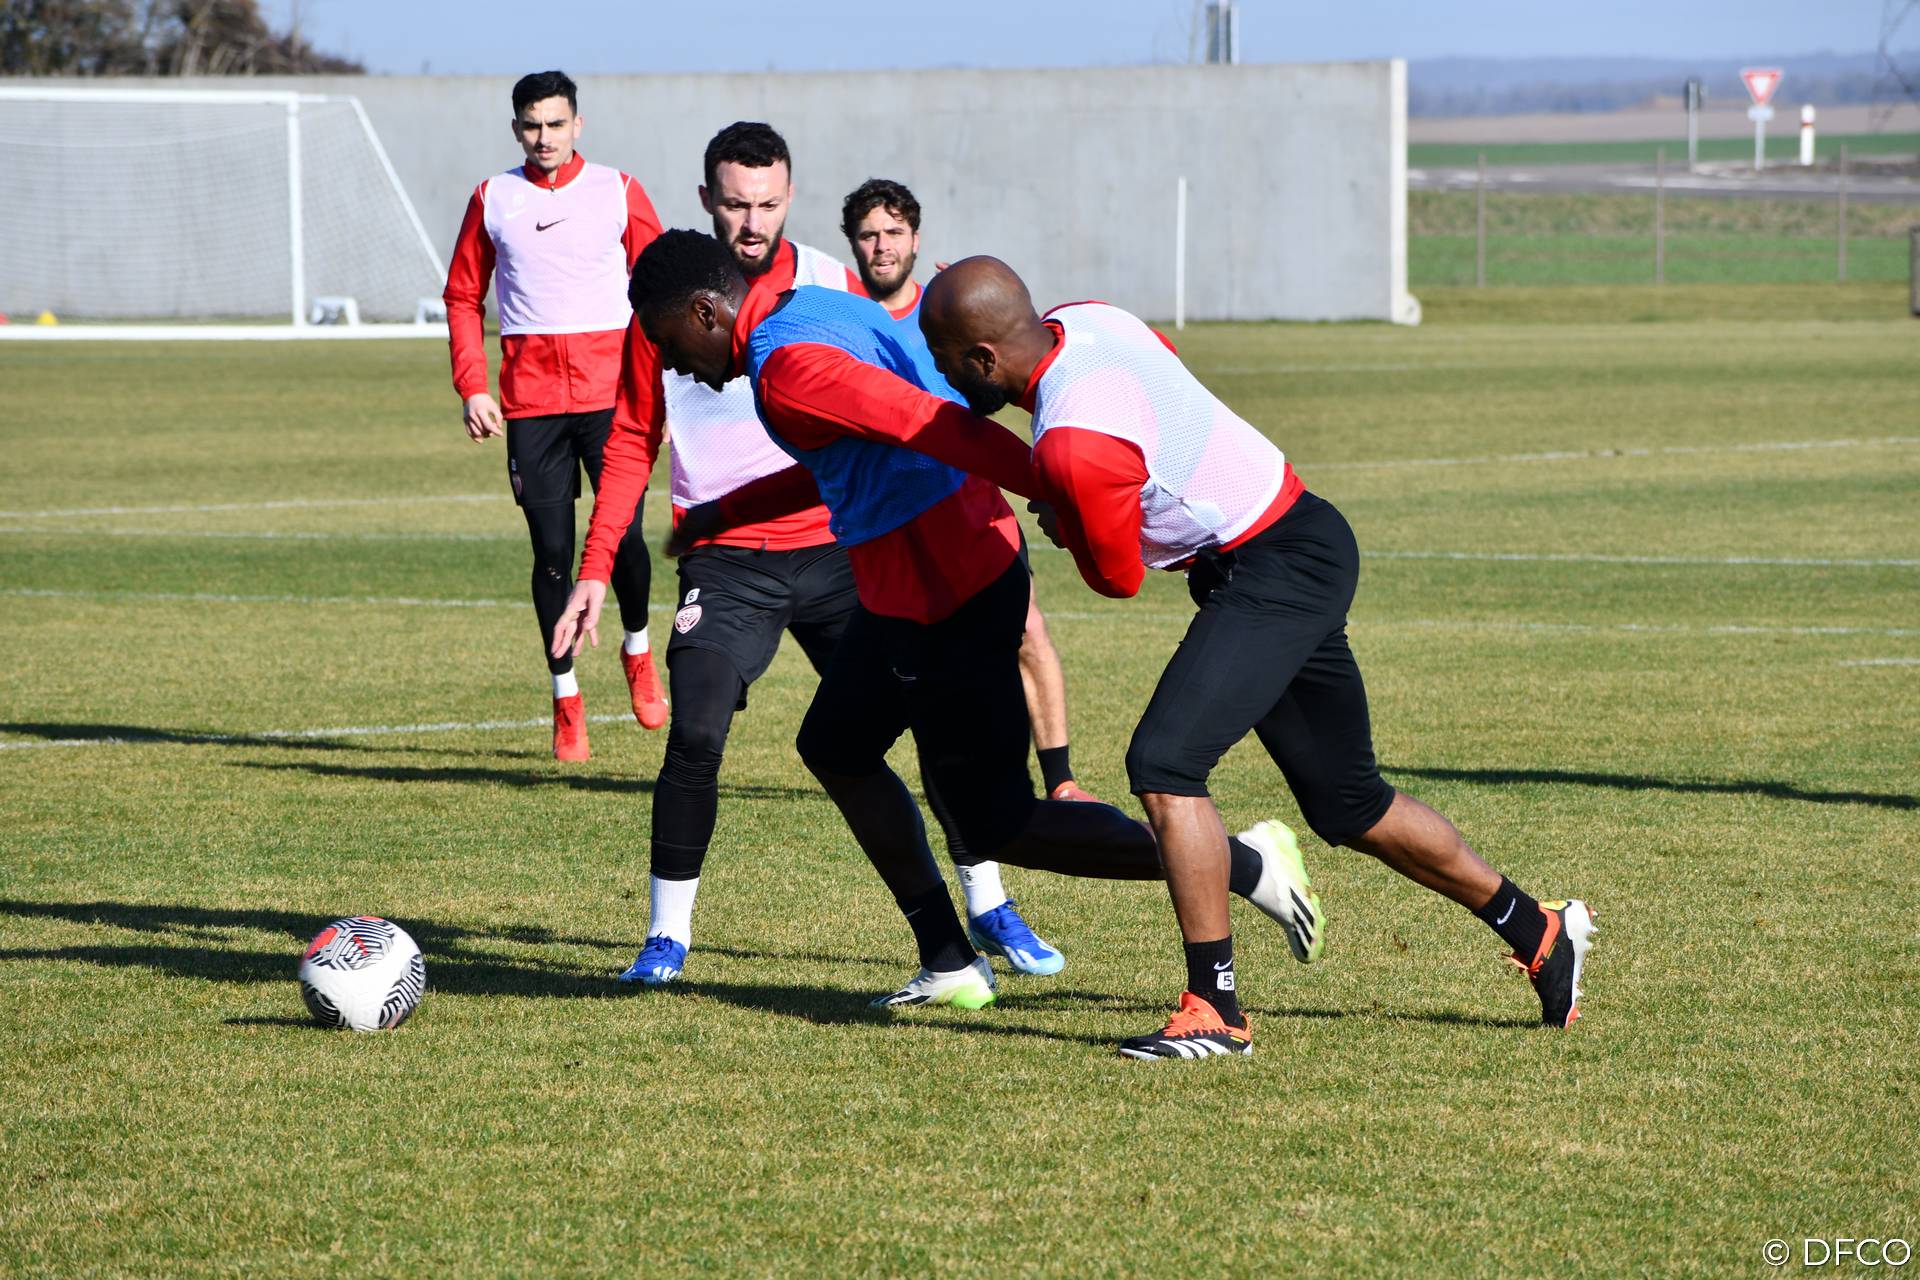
(982, 357)
(701, 310)
(706, 201)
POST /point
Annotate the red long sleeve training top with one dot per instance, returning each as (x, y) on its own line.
(812, 394)
(540, 373)
(784, 523)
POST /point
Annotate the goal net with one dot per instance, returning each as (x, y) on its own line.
(139, 205)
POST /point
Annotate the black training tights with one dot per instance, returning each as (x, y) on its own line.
(705, 689)
(551, 528)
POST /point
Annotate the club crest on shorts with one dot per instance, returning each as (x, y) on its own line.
(687, 619)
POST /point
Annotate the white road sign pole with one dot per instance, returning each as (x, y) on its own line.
(1761, 82)
(1806, 133)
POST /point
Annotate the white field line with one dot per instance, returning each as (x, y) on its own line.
(1583, 558)
(285, 504)
(1568, 455)
(1595, 455)
(1880, 662)
(259, 535)
(295, 735)
(1119, 614)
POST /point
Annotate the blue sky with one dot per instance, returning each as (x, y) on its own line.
(603, 37)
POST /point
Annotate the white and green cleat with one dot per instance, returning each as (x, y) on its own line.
(1284, 892)
(968, 988)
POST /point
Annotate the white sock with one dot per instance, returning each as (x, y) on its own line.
(981, 884)
(636, 642)
(673, 909)
(564, 685)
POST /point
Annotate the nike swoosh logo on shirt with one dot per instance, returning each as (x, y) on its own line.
(542, 226)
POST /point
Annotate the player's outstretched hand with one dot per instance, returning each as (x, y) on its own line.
(580, 620)
(1049, 522)
(483, 418)
(697, 522)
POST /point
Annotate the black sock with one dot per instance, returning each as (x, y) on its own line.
(1516, 918)
(943, 943)
(1210, 976)
(1054, 767)
(1243, 867)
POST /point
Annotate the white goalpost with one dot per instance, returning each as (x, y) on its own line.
(194, 213)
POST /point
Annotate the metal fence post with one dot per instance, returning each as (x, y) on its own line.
(1480, 225)
(1660, 215)
(1913, 268)
(1842, 237)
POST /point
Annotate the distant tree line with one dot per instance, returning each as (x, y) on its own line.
(153, 38)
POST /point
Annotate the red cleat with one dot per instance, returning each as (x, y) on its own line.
(1071, 790)
(649, 699)
(570, 729)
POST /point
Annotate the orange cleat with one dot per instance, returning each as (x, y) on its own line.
(570, 729)
(649, 699)
(1194, 1031)
(1071, 790)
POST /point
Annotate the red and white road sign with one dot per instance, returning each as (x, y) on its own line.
(1761, 82)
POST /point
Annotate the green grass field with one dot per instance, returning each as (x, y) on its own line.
(1539, 238)
(1783, 144)
(1641, 612)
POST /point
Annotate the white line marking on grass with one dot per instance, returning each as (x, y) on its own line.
(282, 535)
(1881, 662)
(1594, 455)
(284, 504)
(1364, 625)
(1584, 558)
(173, 738)
(212, 597)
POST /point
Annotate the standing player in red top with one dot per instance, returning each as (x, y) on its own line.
(1144, 468)
(912, 481)
(556, 238)
(742, 581)
(881, 220)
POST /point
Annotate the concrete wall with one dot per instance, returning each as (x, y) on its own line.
(1297, 185)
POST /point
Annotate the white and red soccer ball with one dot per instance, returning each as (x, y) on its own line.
(365, 973)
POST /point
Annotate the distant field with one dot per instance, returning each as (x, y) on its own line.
(1554, 238)
(1640, 609)
(1783, 143)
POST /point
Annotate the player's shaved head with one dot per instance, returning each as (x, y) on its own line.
(984, 333)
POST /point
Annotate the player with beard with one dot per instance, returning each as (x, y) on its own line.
(1143, 469)
(742, 580)
(912, 481)
(881, 220)
(555, 237)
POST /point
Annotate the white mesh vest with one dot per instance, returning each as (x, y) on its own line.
(719, 442)
(1209, 474)
(559, 264)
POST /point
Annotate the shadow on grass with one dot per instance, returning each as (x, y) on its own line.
(475, 774)
(134, 734)
(826, 1007)
(1640, 782)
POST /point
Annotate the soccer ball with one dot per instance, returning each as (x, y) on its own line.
(365, 973)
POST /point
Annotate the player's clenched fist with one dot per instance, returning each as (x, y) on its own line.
(483, 418)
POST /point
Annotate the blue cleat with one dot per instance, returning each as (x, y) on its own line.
(659, 961)
(1001, 932)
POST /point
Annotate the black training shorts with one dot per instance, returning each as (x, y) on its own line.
(544, 455)
(956, 685)
(737, 600)
(1268, 652)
